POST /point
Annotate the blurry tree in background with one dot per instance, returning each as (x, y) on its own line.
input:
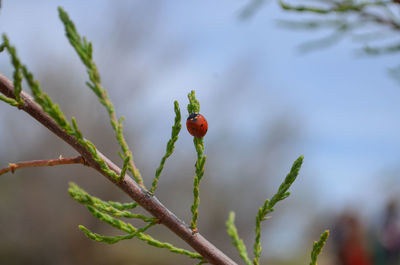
(375, 24)
(364, 21)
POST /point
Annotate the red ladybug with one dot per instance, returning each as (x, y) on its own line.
(197, 125)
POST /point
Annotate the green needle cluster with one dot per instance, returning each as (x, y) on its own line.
(125, 167)
(132, 231)
(176, 128)
(85, 51)
(17, 76)
(84, 198)
(237, 242)
(268, 207)
(194, 107)
(8, 100)
(109, 211)
(194, 104)
(52, 109)
(317, 247)
(123, 206)
(104, 211)
(113, 239)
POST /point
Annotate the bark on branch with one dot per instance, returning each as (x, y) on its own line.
(150, 203)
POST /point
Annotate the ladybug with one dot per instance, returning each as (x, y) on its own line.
(197, 125)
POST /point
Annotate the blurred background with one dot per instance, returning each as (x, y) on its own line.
(266, 103)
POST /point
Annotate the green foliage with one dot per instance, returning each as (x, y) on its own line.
(113, 239)
(52, 109)
(85, 51)
(123, 206)
(105, 211)
(194, 107)
(236, 241)
(176, 128)
(93, 151)
(84, 198)
(108, 212)
(8, 100)
(200, 166)
(130, 229)
(45, 102)
(269, 205)
(40, 97)
(17, 76)
(284, 187)
(124, 168)
(153, 242)
(317, 247)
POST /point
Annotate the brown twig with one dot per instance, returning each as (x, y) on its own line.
(43, 163)
(150, 203)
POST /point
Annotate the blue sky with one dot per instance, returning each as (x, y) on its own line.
(349, 104)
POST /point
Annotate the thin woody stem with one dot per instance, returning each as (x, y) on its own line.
(43, 163)
(150, 203)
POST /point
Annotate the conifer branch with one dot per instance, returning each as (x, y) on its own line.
(194, 107)
(85, 51)
(150, 203)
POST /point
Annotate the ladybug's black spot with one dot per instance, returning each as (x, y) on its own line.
(202, 125)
